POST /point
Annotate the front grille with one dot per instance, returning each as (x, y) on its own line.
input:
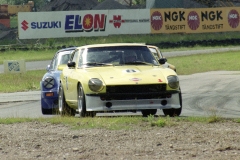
(126, 92)
(151, 88)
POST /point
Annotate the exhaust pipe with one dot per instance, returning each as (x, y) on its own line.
(164, 102)
(108, 104)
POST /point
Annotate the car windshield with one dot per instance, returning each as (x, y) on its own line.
(64, 58)
(118, 55)
(59, 58)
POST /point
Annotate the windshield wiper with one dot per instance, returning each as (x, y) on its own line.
(138, 62)
(98, 64)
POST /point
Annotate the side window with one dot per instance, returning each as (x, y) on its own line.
(74, 56)
(80, 61)
(54, 62)
(161, 56)
(154, 52)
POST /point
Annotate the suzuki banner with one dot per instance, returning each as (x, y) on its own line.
(61, 24)
(82, 23)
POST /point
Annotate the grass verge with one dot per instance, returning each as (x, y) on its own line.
(20, 82)
(118, 123)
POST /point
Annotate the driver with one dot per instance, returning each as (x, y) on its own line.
(130, 56)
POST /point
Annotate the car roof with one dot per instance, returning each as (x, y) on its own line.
(152, 46)
(67, 49)
(112, 45)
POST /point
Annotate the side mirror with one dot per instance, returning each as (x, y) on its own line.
(165, 59)
(162, 60)
(71, 64)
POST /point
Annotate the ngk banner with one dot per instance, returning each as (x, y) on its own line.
(195, 20)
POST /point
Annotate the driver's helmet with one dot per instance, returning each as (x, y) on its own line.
(130, 56)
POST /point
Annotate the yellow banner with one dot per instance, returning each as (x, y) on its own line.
(199, 20)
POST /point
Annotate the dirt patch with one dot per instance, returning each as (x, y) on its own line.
(183, 141)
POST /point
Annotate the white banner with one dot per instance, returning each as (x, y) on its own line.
(131, 21)
(33, 25)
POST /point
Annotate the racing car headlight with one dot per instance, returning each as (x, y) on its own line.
(173, 82)
(95, 84)
(48, 82)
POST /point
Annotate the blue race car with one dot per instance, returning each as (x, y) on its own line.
(50, 82)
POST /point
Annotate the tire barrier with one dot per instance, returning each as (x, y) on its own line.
(205, 43)
(166, 45)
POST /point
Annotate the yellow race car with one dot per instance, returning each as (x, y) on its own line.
(117, 77)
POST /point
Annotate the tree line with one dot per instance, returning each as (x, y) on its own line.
(41, 3)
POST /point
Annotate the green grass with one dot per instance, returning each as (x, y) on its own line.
(29, 55)
(117, 123)
(13, 22)
(227, 61)
(19, 82)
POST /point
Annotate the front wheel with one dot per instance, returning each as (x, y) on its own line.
(174, 111)
(148, 112)
(64, 109)
(82, 104)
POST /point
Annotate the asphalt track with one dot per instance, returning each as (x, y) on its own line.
(204, 94)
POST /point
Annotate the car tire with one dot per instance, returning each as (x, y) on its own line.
(64, 109)
(82, 104)
(148, 112)
(173, 112)
(47, 111)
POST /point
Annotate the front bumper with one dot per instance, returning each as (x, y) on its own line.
(49, 102)
(95, 103)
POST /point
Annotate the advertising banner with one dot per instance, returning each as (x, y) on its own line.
(59, 24)
(82, 23)
(195, 20)
(32, 25)
(129, 21)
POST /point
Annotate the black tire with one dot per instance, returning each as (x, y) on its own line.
(173, 112)
(82, 104)
(64, 109)
(148, 112)
(47, 111)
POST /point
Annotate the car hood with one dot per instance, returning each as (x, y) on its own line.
(130, 74)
